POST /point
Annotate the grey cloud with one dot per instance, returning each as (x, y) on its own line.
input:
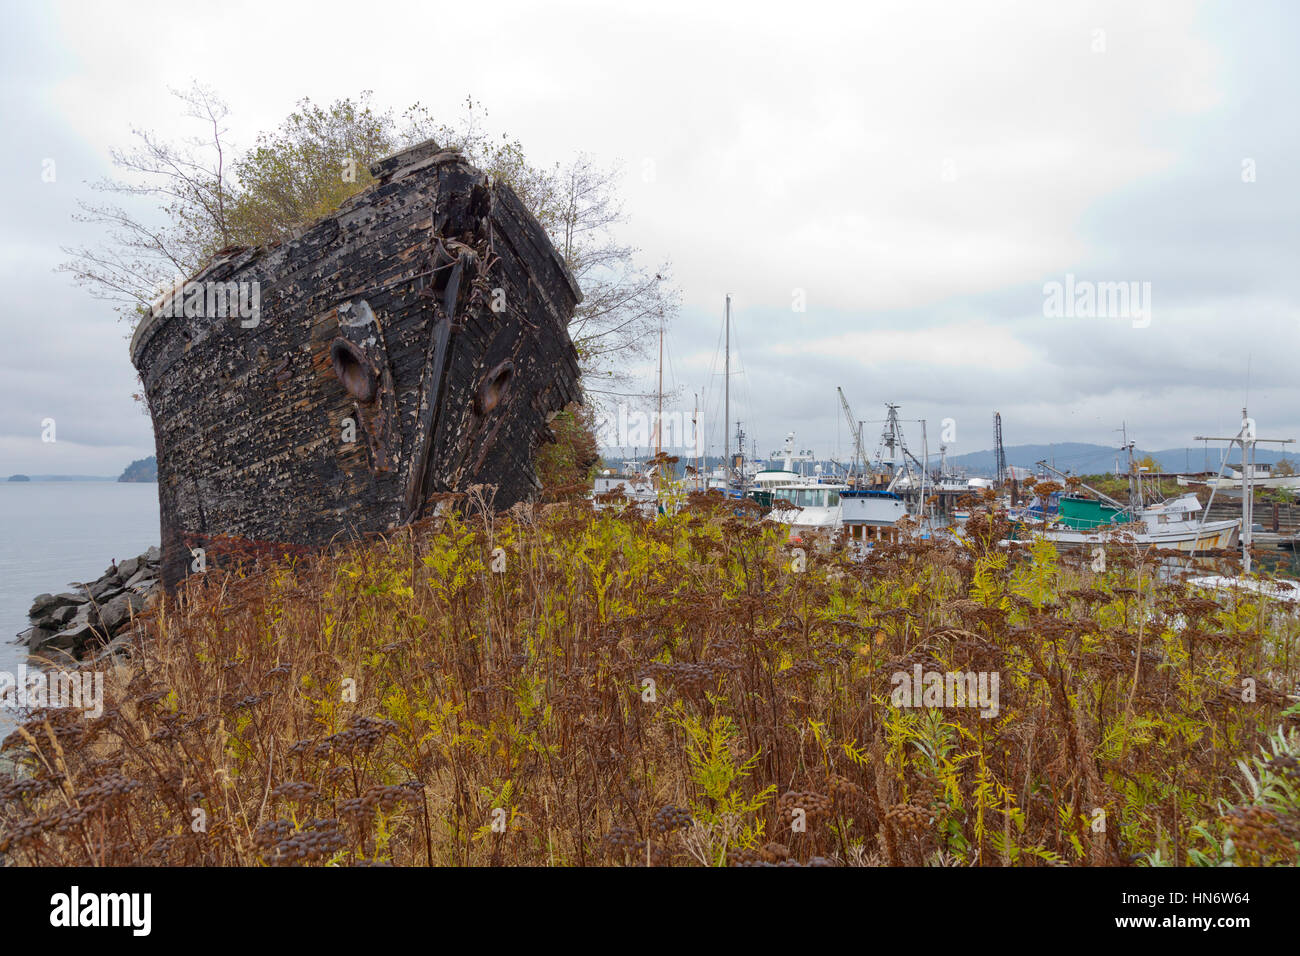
(785, 156)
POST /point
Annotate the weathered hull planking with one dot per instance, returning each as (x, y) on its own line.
(415, 342)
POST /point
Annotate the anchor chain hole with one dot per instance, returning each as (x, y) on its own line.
(353, 370)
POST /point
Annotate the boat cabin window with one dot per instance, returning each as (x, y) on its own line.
(808, 497)
(792, 495)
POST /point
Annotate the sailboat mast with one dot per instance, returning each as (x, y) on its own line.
(695, 431)
(1247, 495)
(726, 403)
(659, 412)
(925, 467)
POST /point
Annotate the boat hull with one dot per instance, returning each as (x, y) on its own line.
(872, 509)
(807, 520)
(1212, 536)
(413, 343)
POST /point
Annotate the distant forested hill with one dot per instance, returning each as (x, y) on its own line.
(145, 469)
(1081, 458)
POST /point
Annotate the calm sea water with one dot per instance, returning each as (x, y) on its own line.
(55, 532)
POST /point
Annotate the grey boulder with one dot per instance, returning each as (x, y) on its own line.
(50, 602)
(119, 610)
(108, 595)
(144, 574)
(65, 614)
(58, 617)
(85, 614)
(33, 637)
(101, 589)
(71, 639)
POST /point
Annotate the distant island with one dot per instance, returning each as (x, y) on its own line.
(144, 469)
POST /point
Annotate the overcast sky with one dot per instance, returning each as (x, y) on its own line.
(915, 173)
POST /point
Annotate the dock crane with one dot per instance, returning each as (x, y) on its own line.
(999, 453)
(855, 429)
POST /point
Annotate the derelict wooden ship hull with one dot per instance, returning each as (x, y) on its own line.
(430, 312)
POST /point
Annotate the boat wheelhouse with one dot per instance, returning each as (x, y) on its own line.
(1085, 514)
(871, 515)
(807, 505)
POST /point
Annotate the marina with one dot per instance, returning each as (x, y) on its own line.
(893, 492)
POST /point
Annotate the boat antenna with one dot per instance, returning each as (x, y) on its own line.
(740, 452)
(695, 433)
(1247, 439)
(659, 414)
(1134, 478)
(925, 468)
(726, 401)
(999, 453)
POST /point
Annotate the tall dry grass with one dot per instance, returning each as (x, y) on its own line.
(672, 691)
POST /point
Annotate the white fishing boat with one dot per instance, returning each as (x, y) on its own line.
(817, 504)
(804, 502)
(807, 506)
(636, 486)
(1176, 523)
(767, 479)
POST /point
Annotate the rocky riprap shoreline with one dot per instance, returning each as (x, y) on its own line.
(91, 620)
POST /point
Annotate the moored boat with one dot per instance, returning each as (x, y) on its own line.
(808, 506)
(1173, 524)
(871, 514)
(629, 486)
